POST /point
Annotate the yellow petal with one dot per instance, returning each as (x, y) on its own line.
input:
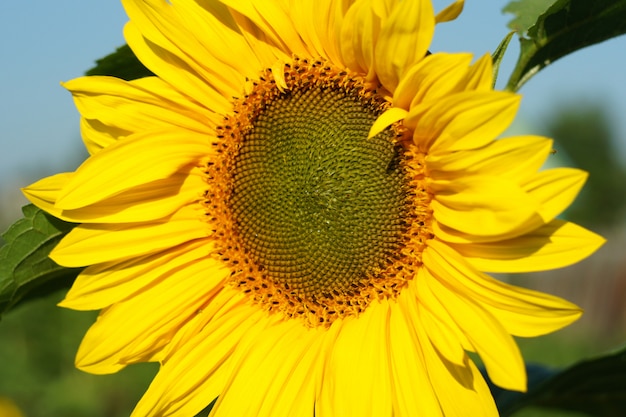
(45, 192)
(554, 245)
(198, 372)
(443, 336)
(131, 104)
(321, 23)
(325, 393)
(222, 38)
(413, 392)
(432, 78)
(97, 136)
(488, 336)
(481, 205)
(162, 36)
(272, 17)
(521, 312)
(555, 190)
(175, 71)
(552, 191)
(133, 162)
(312, 18)
(480, 75)
(518, 158)
(147, 202)
(116, 108)
(265, 45)
(222, 305)
(101, 285)
(449, 340)
(461, 389)
(466, 120)
(93, 244)
(451, 12)
(359, 32)
(389, 117)
(354, 389)
(283, 386)
(151, 201)
(147, 321)
(403, 40)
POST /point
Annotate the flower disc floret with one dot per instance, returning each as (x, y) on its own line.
(317, 218)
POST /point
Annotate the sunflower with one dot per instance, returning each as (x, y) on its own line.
(296, 214)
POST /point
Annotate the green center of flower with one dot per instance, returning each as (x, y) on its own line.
(317, 204)
(315, 219)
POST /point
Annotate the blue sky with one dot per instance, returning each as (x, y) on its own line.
(45, 42)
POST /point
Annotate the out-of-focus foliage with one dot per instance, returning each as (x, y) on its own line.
(583, 132)
(9, 409)
(38, 342)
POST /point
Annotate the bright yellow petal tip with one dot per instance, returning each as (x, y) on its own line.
(389, 117)
(451, 12)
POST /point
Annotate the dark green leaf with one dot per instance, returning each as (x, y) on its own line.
(207, 409)
(513, 400)
(595, 386)
(567, 26)
(25, 269)
(121, 64)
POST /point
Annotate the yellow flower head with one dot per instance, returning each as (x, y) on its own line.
(296, 213)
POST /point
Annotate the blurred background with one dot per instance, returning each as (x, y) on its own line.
(579, 100)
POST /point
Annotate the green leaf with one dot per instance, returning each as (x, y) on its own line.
(26, 271)
(595, 386)
(565, 27)
(121, 64)
(498, 54)
(526, 13)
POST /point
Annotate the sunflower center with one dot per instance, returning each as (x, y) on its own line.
(316, 203)
(318, 213)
